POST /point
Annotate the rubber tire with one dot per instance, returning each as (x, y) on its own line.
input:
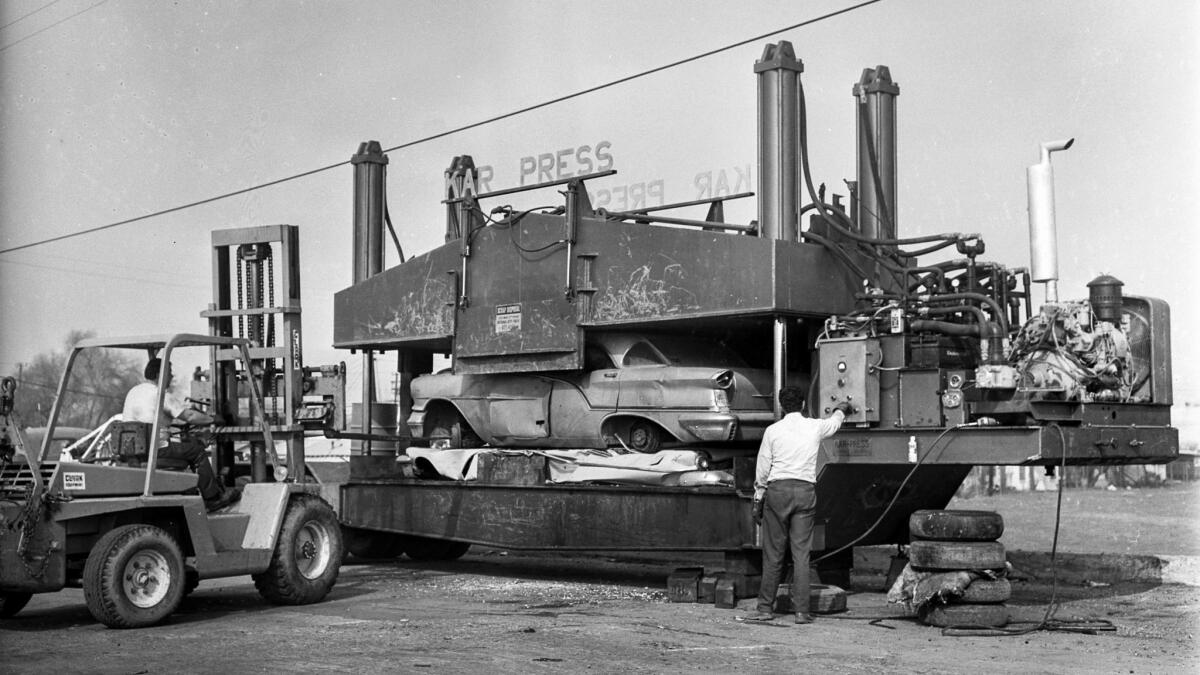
(448, 423)
(428, 548)
(943, 616)
(12, 602)
(309, 520)
(371, 544)
(645, 437)
(956, 525)
(986, 591)
(103, 576)
(946, 556)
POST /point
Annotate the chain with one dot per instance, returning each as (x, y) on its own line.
(241, 318)
(270, 298)
(31, 514)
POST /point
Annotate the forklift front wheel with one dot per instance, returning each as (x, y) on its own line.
(308, 554)
(133, 577)
(12, 602)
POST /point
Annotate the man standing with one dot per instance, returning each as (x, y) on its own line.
(140, 404)
(785, 497)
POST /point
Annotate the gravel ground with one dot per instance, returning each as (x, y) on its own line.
(491, 612)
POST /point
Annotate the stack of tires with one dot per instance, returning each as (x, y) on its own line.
(955, 541)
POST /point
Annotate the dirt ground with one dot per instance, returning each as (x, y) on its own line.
(494, 612)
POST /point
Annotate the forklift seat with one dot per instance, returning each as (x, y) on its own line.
(130, 443)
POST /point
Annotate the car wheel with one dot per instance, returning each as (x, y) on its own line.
(12, 602)
(133, 577)
(447, 424)
(645, 437)
(956, 555)
(956, 525)
(307, 557)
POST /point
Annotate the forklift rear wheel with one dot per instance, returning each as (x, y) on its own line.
(644, 437)
(448, 424)
(372, 545)
(308, 554)
(428, 548)
(133, 577)
(12, 602)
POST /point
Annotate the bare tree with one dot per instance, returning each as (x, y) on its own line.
(99, 382)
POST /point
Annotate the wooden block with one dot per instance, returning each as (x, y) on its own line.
(683, 585)
(726, 593)
(707, 592)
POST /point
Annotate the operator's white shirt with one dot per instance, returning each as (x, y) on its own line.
(789, 449)
(140, 403)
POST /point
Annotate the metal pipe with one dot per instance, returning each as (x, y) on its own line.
(779, 360)
(778, 141)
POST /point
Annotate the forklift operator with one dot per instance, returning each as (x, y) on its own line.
(140, 404)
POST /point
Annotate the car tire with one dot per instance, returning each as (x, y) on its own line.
(958, 525)
(12, 602)
(943, 556)
(133, 577)
(448, 424)
(986, 591)
(976, 616)
(645, 437)
(372, 545)
(308, 554)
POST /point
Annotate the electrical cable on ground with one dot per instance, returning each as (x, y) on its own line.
(436, 136)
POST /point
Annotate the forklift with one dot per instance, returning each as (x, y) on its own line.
(129, 527)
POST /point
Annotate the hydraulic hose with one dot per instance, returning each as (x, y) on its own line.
(997, 311)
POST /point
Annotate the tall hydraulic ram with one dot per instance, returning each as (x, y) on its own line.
(370, 199)
(876, 110)
(778, 141)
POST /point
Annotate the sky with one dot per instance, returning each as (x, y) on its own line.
(112, 109)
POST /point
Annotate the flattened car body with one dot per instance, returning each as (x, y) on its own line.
(680, 389)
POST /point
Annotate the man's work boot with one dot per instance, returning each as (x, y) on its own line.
(759, 617)
(804, 618)
(222, 500)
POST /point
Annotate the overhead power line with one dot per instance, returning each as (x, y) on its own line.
(56, 23)
(443, 134)
(26, 16)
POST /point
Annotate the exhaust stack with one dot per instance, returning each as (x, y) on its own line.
(1043, 237)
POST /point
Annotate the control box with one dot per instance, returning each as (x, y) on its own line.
(849, 372)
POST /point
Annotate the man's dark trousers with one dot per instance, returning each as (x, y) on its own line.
(787, 519)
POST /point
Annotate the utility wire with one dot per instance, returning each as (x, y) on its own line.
(26, 16)
(449, 132)
(60, 21)
(198, 284)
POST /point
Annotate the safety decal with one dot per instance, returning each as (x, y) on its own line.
(74, 480)
(508, 318)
